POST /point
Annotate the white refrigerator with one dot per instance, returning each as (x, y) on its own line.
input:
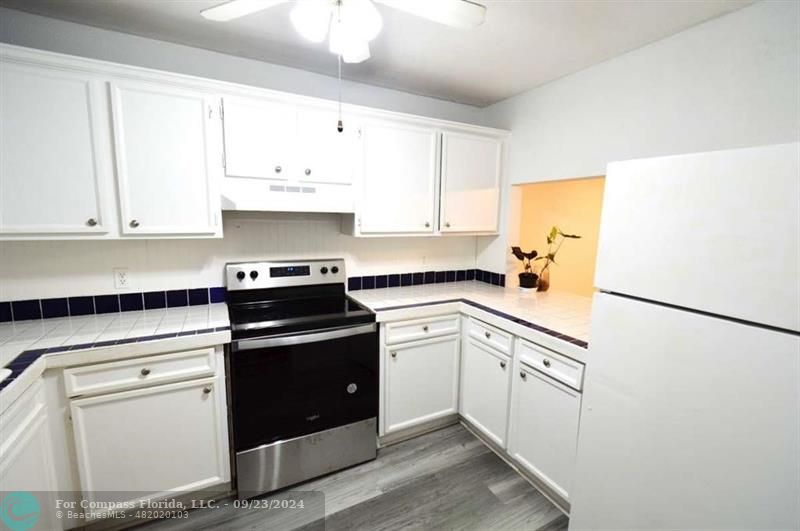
(691, 408)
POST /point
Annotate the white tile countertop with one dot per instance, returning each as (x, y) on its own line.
(563, 317)
(28, 347)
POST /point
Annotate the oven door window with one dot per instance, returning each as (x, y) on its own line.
(287, 391)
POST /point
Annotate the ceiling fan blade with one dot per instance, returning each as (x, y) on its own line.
(237, 8)
(456, 13)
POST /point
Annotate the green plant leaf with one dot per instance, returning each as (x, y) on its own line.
(553, 233)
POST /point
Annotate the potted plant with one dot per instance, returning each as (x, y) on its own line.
(527, 279)
(550, 257)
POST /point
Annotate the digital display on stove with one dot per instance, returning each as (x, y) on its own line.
(289, 271)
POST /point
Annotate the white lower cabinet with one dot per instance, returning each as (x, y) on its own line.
(148, 441)
(421, 380)
(485, 383)
(26, 462)
(544, 428)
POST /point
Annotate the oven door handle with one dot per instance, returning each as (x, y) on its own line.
(299, 339)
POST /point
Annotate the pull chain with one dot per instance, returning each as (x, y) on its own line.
(340, 125)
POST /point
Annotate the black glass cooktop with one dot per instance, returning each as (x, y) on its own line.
(274, 311)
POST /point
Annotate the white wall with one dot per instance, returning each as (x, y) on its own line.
(56, 269)
(730, 82)
(34, 31)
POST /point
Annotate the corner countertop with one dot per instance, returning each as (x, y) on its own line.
(27, 348)
(561, 316)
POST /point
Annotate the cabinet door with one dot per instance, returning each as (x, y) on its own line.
(544, 428)
(421, 381)
(53, 157)
(324, 155)
(470, 183)
(399, 177)
(169, 159)
(168, 437)
(26, 459)
(484, 389)
(260, 138)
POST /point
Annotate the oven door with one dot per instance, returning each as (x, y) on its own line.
(287, 386)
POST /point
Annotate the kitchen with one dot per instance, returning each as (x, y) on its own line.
(234, 221)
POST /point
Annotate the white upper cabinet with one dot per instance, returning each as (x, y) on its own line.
(259, 138)
(399, 179)
(53, 159)
(280, 156)
(470, 183)
(325, 155)
(169, 159)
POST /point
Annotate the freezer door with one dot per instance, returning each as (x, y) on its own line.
(687, 422)
(715, 231)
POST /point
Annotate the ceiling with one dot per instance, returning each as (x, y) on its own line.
(522, 44)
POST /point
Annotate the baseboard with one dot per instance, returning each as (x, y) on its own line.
(557, 500)
(215, 492)
(419, 429)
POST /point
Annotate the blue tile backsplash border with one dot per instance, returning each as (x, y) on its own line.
(24, 310)
(394, 280)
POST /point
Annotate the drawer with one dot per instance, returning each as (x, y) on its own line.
(403, 331)
(489, 335)
(551, 363)
(139, 372)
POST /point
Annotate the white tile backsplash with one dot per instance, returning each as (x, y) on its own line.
(45, 269)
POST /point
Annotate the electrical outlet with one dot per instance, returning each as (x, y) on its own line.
(122, 278)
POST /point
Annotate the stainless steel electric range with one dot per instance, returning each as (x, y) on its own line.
(303, 368)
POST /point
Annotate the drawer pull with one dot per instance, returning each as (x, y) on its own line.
(145, 372)
(546, 362)
(425, 328)
(522, 375)
(488, 335)
(394, 354)
(502, 365)
(207, 389)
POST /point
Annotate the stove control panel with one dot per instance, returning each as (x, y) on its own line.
(260, 275)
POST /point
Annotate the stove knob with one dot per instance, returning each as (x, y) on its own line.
(334, 270)
(254, 274)
(240, 275)
(324, 270)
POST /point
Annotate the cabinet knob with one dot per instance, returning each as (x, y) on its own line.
(278, 169)
(488, 335)
(308, 171)
(145, 372)
(522, 375)
(425, 328)
(91, 222)
(447, 224)
(546, 362)
(427, 224)
(394, 354)
(207, 389)
(502, 365)
(134, 223)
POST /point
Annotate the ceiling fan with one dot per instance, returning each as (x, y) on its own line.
(352, 23)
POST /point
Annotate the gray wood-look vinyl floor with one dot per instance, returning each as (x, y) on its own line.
(444, 480)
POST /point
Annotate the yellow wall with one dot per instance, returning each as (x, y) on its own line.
(574, 206)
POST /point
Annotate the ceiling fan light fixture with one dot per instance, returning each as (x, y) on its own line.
(311, 19)
(347, 43)
(363, 17)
